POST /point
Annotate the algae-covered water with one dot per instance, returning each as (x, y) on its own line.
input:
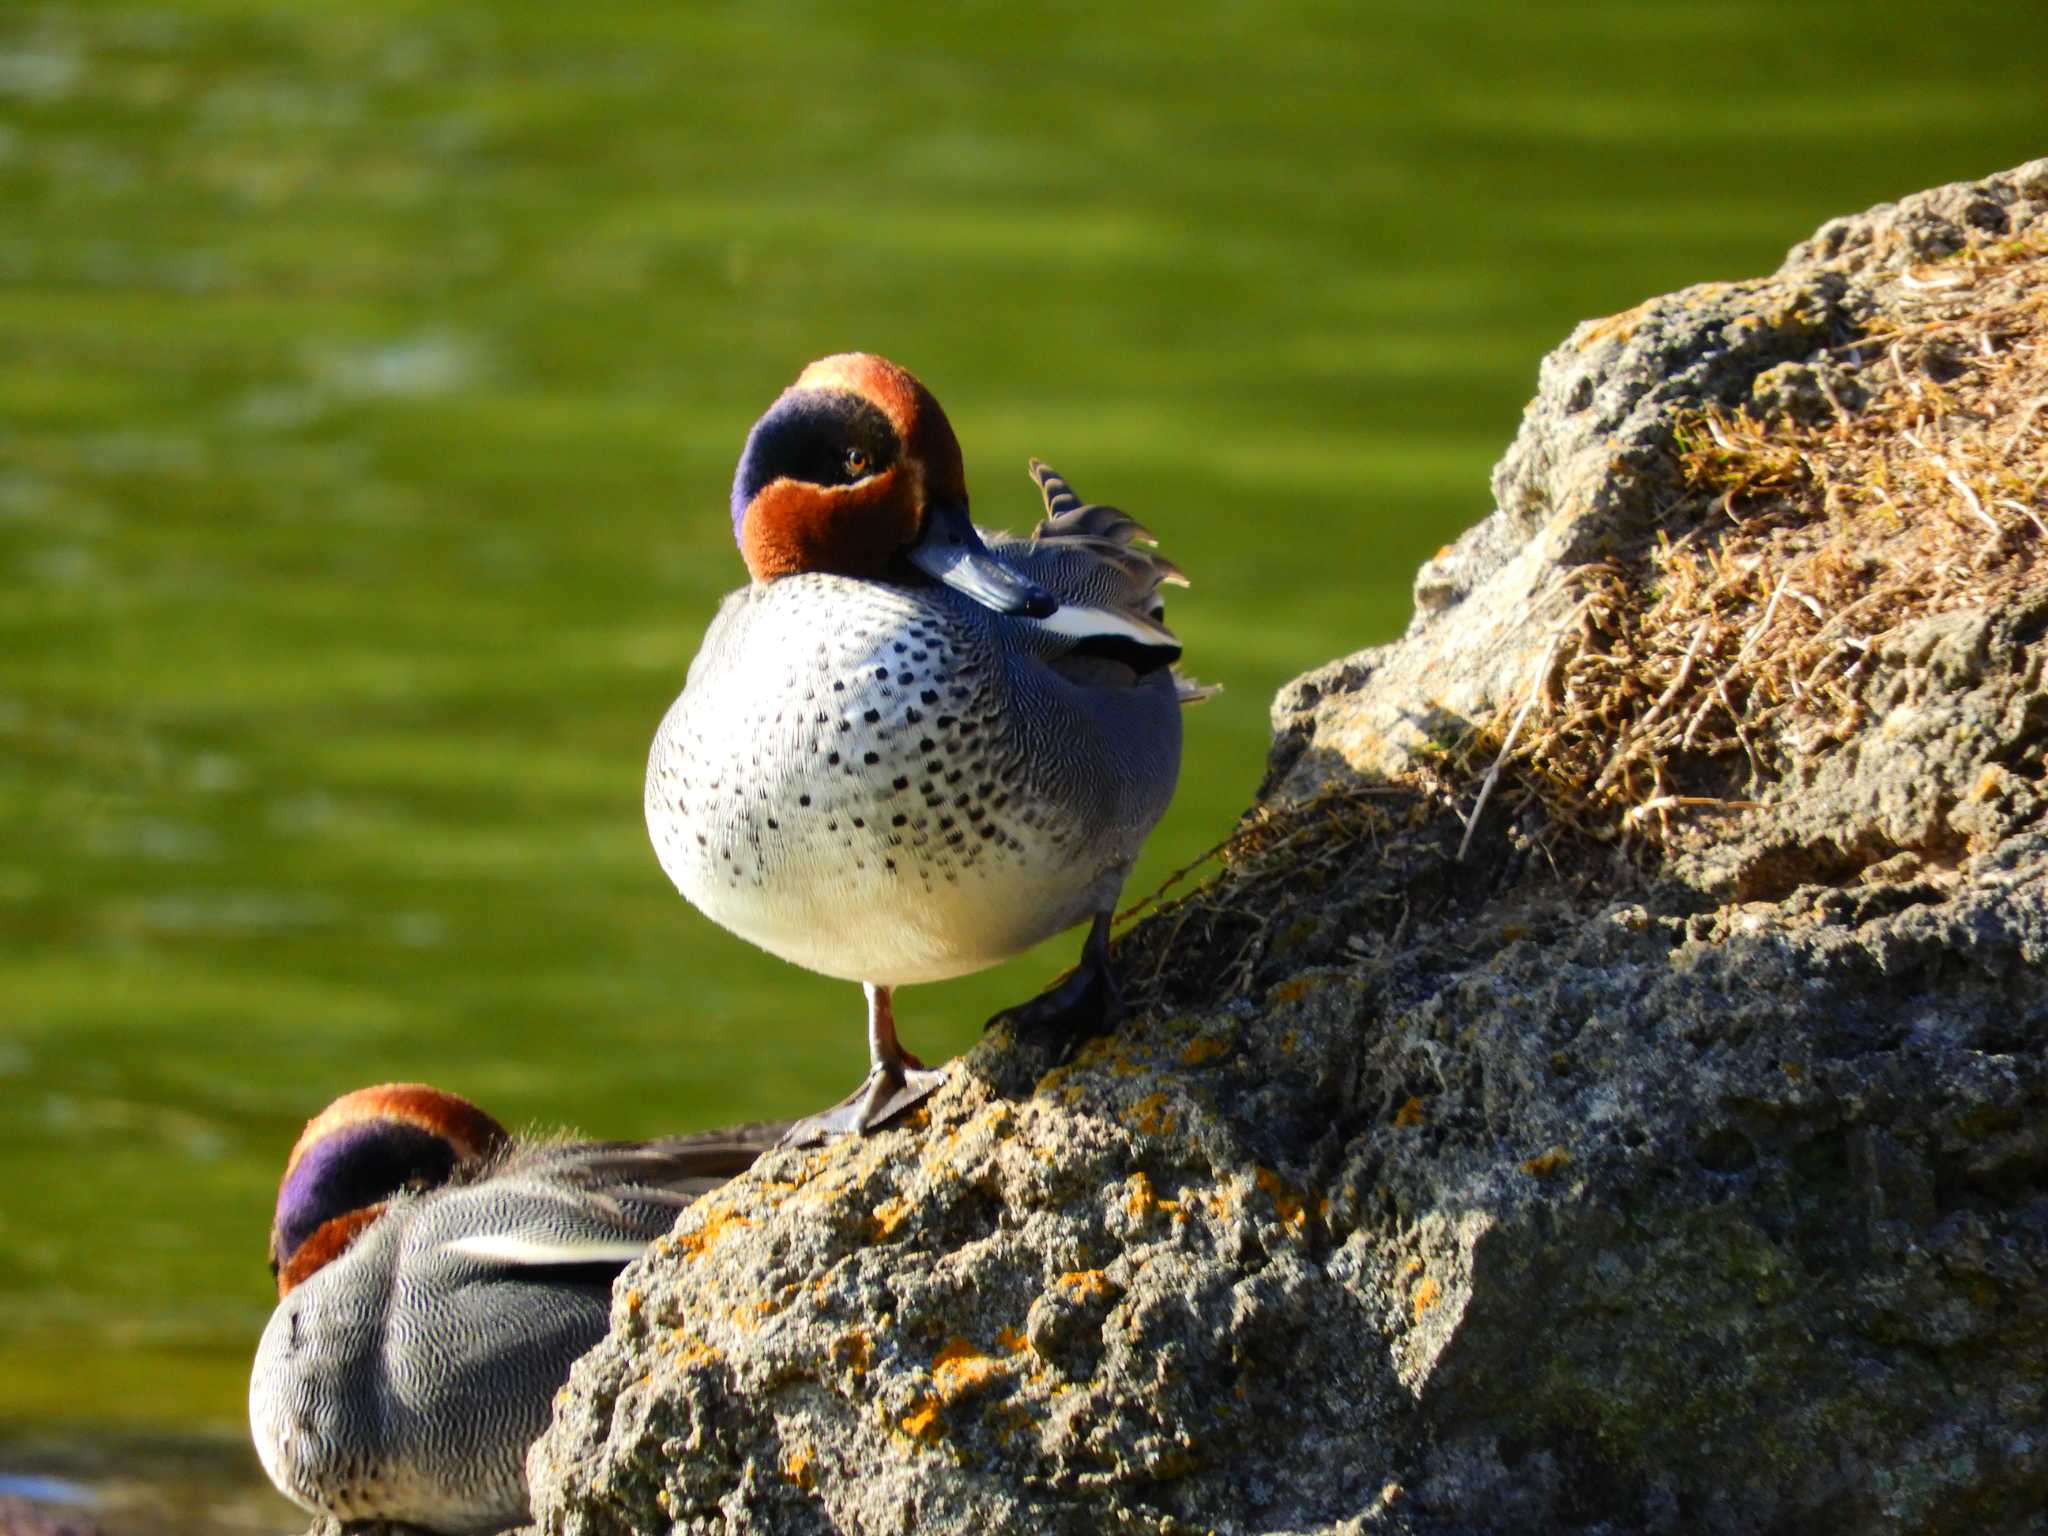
(370, 380)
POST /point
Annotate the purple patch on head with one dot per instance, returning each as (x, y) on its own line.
(804, 436)
(743, 487)
(354, 1166)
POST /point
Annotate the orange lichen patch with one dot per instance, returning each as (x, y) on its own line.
(1409, 1114)
(1792, 1070)
(1142, 1200)
(885, 1218)
(713, 1228)
(1011, 1340)
(853, 1349)
(922, 1422)
(1544, 1164)
(1151, 1116)
(1618, 327)
(1286, 1202)
(1294, 989)
(796, 1466)
(1427, 1295)
(1197, 1052)
(746, 1317)
(1096, 1051)
(961, 1368)
(998, 1120)
(632, 1299)
(689, 1349)
(1289, 1040)
(1087, 1284)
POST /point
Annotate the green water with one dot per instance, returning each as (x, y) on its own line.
(370, 380)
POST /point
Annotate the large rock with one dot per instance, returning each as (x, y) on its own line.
(1667, 1155)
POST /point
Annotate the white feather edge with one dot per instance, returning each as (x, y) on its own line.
(1079, 622)
(510, 1248)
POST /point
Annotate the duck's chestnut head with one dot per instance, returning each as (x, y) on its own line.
(356, 1154)
(855, 471)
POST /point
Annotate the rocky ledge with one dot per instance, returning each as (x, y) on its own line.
(1602, 1086)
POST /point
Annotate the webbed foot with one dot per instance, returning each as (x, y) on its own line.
(1085, 1003)
(883, 1097)
(896, 1082)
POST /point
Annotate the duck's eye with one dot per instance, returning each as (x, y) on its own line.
(857, 462)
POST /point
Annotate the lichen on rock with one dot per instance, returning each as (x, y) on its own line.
(1656, 1147)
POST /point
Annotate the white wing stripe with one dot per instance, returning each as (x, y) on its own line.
(510, 1248)
(1080, 623)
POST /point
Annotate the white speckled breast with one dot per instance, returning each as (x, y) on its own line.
(847, 782)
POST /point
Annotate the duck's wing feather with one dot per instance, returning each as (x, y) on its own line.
(1098, 561)
(687, 1165)
(1101, 563)
(578, 1204)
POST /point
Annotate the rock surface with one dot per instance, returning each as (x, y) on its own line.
(1674, 1165)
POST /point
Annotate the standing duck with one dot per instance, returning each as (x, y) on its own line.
(436, 1279)
(909, 749)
